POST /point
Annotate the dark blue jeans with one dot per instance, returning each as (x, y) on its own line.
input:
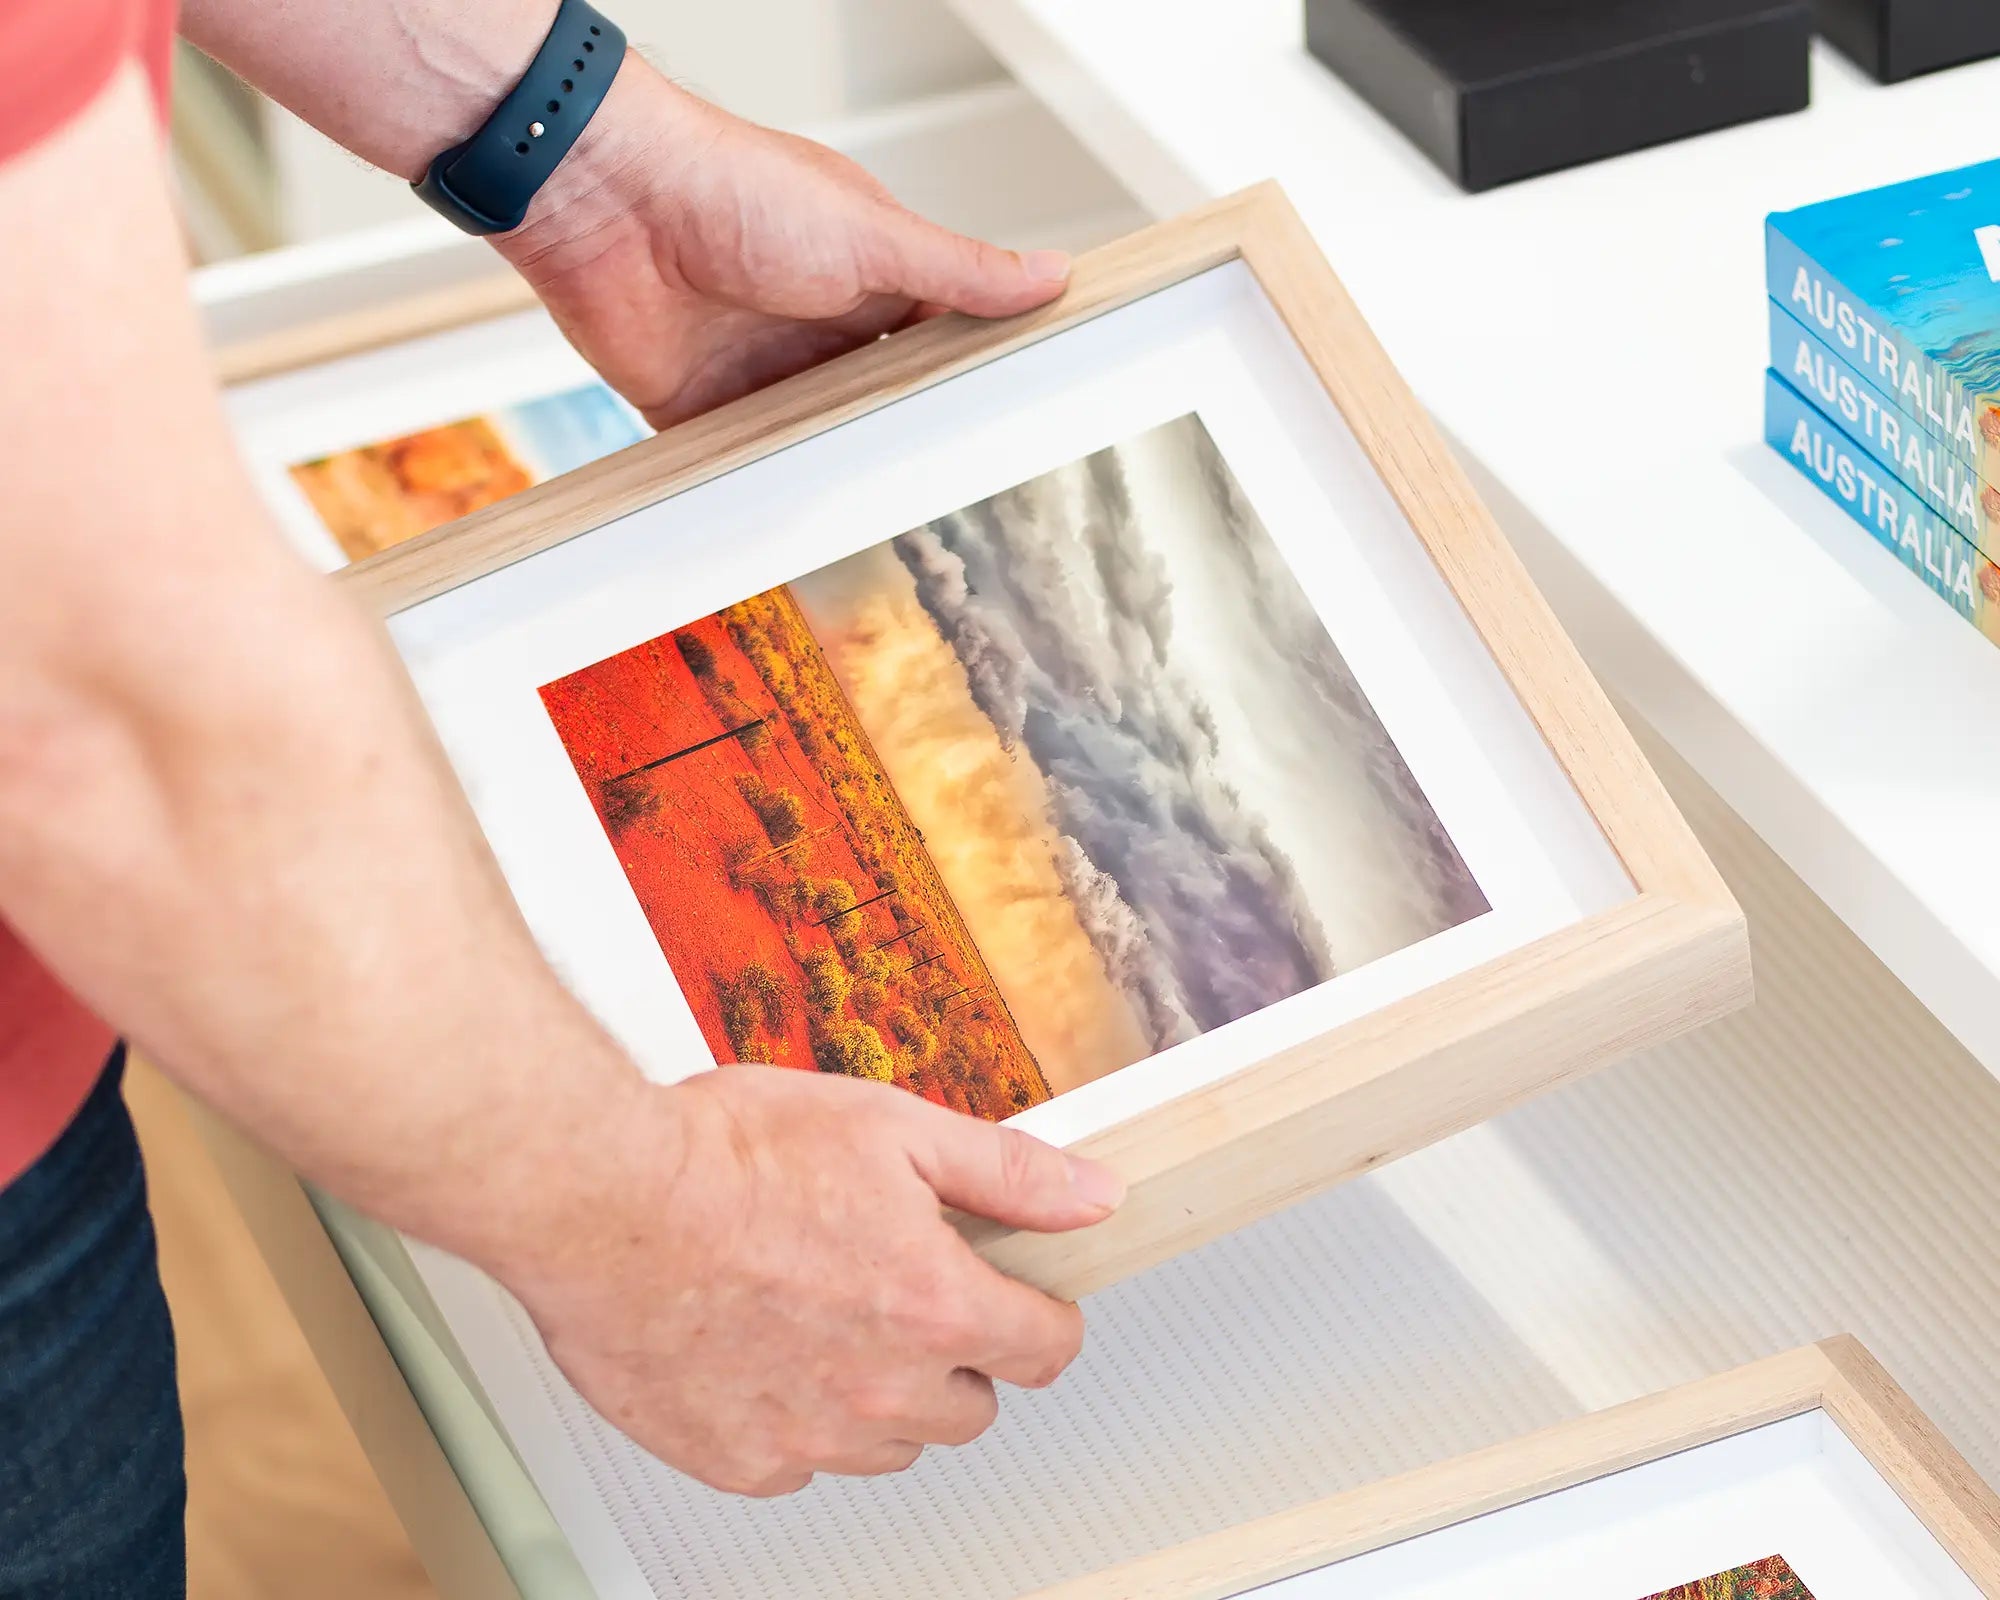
(92, 1485)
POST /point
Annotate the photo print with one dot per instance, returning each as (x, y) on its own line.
(1769, 1579)
(375, 496)
(1017, 798)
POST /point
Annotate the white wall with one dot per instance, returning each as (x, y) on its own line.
(794, 61)
(802, 64)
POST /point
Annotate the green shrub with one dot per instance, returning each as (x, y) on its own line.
(774, 669)
(626, 802)
(783, 898)
(827, 983)
(781, 813)
(736, 858)
(760, 986)
(855, 1049)
(753, 1003)
(739, 1021)
(696, 652)
(868, 998)
(906, 1027)
(831, 897)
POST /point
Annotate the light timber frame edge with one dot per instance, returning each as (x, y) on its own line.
(1837, 1377)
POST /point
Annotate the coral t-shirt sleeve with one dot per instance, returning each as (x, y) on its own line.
(57, 55)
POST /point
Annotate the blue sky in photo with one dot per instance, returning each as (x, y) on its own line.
(563, 431)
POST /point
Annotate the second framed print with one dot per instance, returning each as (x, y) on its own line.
(1807, 1476)
(1123, 721)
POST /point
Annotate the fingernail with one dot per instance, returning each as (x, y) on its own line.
(1095, 1184)
(1046, 266)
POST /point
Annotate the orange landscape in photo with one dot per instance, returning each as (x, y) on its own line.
(1769, 1579)
(381, 494)
(1015, 799)
(791, 892)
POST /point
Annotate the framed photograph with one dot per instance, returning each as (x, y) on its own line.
(356, 450)
(1809, 1476)
(1122, 720)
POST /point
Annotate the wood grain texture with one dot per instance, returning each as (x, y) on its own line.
(1901, 1443)
(1838, 1377)
(372, 327)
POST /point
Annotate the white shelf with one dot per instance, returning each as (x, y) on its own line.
(1594, 342)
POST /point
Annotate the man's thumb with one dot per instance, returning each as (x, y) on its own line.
(919, 260)
(1012, 1177)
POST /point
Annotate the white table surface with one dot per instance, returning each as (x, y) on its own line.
(1594, 343)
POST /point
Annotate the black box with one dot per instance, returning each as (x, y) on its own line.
(1897, 39)
(1495, 90)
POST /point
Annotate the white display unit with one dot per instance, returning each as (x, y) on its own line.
(1594, 344)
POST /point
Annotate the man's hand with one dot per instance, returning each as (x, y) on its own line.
(770, 1289)
(692, 256)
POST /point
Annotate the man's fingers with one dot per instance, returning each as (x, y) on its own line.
(896, 1455)
(743, 352)
(913, 257)
(1027, 1339)
(963, 1412)
(1008, 1175)
(955, 1414)
(770, 1487)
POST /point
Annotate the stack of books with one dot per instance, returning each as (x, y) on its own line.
(1884, 388)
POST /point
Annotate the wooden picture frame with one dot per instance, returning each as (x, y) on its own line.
(390, 321)
(1672, 957)
(1837, 1377)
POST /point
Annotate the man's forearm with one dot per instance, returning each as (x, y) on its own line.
(249, 858)
(222, 818)
(398, 81)
(395, 81)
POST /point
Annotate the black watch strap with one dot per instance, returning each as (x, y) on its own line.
(485, 184)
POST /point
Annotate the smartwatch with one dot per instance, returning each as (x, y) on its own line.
(485, 184)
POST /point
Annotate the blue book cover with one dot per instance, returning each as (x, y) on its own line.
(1901, 523)
(1904, 283)
(1894, 438)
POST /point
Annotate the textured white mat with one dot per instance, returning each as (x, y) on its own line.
(1828, 1162)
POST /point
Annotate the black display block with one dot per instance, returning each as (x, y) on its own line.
(1897, 39)
(1495, 90)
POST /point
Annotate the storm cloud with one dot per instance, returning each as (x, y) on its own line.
(1061, 606)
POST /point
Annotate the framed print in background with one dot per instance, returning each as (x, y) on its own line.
(1809, 1476)
(1122, 719)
